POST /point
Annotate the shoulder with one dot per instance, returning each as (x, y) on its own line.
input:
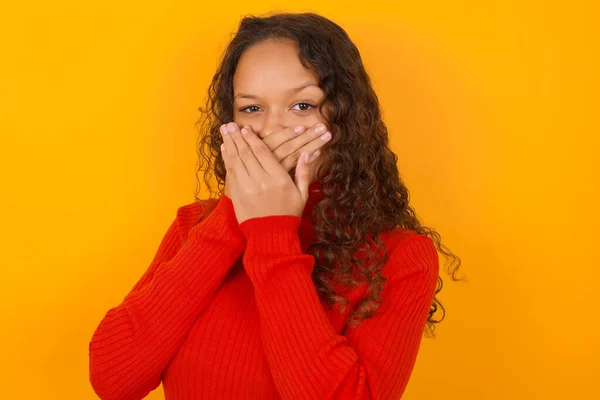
(191, 214)
(410, 253)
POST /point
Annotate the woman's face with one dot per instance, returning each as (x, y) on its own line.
(272, 90)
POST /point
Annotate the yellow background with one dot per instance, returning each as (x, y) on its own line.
(490, 108)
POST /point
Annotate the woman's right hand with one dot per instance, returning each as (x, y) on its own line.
(287, 145)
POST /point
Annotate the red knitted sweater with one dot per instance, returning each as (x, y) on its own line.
(229, 311)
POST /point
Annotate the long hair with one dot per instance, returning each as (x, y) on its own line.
(363, 190)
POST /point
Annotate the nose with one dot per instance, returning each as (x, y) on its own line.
(273, 122)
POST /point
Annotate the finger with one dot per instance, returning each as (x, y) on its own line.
(245, 151)
(313, 156)
(276, 139)
(263, 154)
(233, 163)
(312, 140)
(302, 177)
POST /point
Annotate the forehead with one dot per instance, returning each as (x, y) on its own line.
(271, 65)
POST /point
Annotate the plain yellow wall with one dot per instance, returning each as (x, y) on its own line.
(490, 108)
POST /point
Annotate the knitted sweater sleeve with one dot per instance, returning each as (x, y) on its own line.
(307, 357)
(135, 340)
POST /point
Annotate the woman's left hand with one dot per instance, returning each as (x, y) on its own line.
(260, 187)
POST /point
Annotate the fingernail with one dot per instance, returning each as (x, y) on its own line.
(231, 127)
(316, 153)
(306, 158)
(299, 129)
(224, 130)
(326, 136)
(320, 128)
(244, 131)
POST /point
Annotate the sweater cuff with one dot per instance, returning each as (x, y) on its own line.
(272, 235)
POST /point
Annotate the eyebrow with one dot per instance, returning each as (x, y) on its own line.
(251, 96)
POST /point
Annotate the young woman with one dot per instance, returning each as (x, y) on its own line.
(310, 277)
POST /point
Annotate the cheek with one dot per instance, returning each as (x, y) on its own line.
(318, 117)
(242, 119)
(308, 120)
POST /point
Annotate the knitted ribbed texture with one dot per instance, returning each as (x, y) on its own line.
(232, 313)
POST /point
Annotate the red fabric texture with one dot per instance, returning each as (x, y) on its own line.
(229, 311)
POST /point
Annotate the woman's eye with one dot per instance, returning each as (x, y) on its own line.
(250, 109)
(302, 106)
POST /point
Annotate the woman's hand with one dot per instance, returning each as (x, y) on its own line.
(289, 143)
(260, 186)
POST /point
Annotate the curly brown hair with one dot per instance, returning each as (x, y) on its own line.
(363, 174)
